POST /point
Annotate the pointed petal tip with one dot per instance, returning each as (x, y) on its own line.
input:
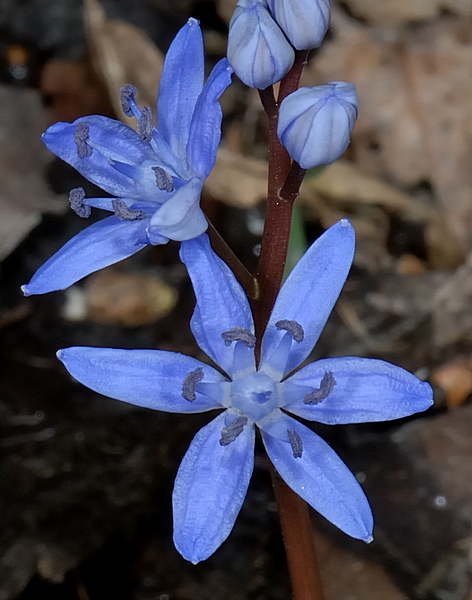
(192, 22)
(60, 355)
(25, 290)
(369, 539)
(345, 223)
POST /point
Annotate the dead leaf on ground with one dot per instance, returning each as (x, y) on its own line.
(397, 12)
(415, 114)
(119, 298)
(24, 194)
(455, 378)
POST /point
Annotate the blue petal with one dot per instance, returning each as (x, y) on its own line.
(149, 378)
(179, 88)
(221, 302)
(366, 390)
(205, 130)
(319, 476)
(310, 292)
(103, 243)
(210, 488)
(181, 218)
(115, 141)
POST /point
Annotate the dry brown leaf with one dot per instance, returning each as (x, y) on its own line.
(123, 54)
(237, 180)
(24, 194)
(415, 114)
(342, 185)
(455, 378)
(120, 298)
(397, 12)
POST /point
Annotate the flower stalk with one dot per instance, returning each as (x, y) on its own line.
(285, 178)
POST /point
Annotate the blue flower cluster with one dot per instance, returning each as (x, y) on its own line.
(213, 477)
(155, 176)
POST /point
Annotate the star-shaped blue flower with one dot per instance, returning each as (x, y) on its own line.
(155, 175)
(214, 474)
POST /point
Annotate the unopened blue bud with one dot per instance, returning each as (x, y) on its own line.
(315, 123)
(304, 22)
(258, 50)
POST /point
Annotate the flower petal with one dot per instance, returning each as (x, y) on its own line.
(310, 292)
(103, 243)
(181, 218)
(149, 378)
(210, 488)
(319, 476)
(221, 302)
(205, 129)
(114, 141)
(180, 85)
(366, 390)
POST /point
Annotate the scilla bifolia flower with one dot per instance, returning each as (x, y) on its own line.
(214, 474)
(258, 51)
(315, 123)
(304, 22)
(154, 176)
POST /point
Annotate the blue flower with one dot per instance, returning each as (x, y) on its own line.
(155, 176)
(214, 474)
(257, 48)
(304, 22)
(315, 124)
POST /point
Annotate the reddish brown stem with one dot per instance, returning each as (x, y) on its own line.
(298, 540)
(285, 178)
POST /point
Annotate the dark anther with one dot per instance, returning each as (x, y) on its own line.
(239, 334)
(144, 128)
(326, 387)
(126, 214)
(163, 180)
(295, 442)
(127, 93)
(190, 383)
(76, 199)
(294, 329)
(231, 431)
(81, 134)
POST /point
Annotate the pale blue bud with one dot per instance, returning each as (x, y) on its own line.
(304, 22)
(258, 50)
(315, 123)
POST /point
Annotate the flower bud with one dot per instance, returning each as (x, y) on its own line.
(258, 50)
(304, 22)
(315, 123)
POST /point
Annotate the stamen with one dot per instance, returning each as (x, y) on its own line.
(127, 94)
(76, 199)
(145, 127)
(231, 431)
(326, 387)
(163, 180)
(295, 442)
(190, 383)
(294, 329)
(81, 134)
(239, 334)
(126, 214)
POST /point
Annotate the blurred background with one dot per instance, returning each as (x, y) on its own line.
(85, 482)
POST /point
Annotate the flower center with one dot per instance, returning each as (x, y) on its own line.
(255, 395)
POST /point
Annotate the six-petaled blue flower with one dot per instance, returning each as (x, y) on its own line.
(214, 474)
(155, 175)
